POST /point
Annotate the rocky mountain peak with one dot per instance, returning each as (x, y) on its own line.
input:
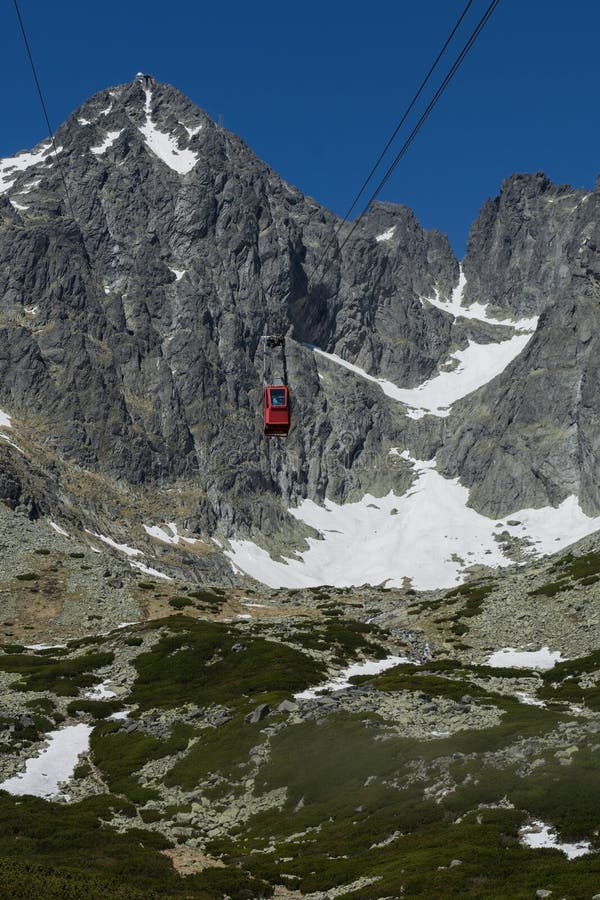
(529, 243)
(131, 313)
(133, 104)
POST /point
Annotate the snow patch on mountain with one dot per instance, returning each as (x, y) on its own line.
(100, 692)
(386, 235)
(109, 140)
(193, 131)
(58, 529)
(475, 366)
(174, 538)
(429, 535)
(341, 680)
(508, 658)
(44, 774)
(477, 311)
(148, 570)
(10, 167)
(123, 548)
(5, 422)
(165, 146)
(539, 836)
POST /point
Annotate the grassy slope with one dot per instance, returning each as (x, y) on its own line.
(359, 799)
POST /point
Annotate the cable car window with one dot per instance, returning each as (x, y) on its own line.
(277, 397)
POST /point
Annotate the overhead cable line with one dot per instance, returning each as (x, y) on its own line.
(44, 108)
(425, 115)
(405, 115)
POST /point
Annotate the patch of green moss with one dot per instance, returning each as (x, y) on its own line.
(98, 709)
(133, 641)
(180, 602)
(90, 641)
(433, 685)
(150, 815)
(48, 673)
(208, 596)
(551, 589)
(348, 637)
(224, 750)
(83, 770)
(577, 567)
(43, 705)
(194, 662)
(562, 682)
(354, 809)
(82, 856)
(120, 755)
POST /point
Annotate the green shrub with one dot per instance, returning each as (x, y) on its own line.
(120, 755)
(99, 709)
(180, 602)
(551, 589)
(193, 662)
(579, 566)
(61, 676)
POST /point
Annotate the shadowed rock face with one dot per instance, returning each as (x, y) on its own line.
(130, 335)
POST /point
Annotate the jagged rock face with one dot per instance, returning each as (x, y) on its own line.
(131, 336)
(131, 312)
(372, 312)
(533, 245)
(531, 436)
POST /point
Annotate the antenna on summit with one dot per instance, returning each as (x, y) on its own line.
(146, 79)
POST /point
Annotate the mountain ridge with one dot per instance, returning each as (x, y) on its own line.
(130, 339)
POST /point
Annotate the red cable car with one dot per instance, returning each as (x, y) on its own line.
(276, 402)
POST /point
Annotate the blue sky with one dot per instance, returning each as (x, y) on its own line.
(315, 88)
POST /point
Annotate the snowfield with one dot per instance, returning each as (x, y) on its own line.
(527, 659)
(165, 146)
(11, 166)
(382, 540)
(473, 367)
(539, 836)
(342, 679)
(476, 365)
(429, 535)
(55, 764)
(109, 140)
(476, 311)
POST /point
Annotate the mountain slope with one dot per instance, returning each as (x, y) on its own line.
(132, 308)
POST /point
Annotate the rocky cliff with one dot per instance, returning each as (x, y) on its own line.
(139, 270)
(531, 436)
(133, 304)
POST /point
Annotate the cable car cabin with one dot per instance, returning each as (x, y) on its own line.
(276, 399)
